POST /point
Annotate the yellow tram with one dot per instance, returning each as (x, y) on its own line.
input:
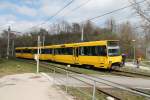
(100, 54)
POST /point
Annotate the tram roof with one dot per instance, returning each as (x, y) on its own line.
(90, 43)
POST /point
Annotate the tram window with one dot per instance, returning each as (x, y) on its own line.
(69, 51)
(88, 51)
(81, 51)
(64, 51)
(76, 53)
(43, 51)
(23, 51)
(93, 51)
(46, 51)
(34, 51)
(59, 51)
(55, 51)
(102, 51)
(27, 51)
(85, 51)
(50, 51)
(18, 51)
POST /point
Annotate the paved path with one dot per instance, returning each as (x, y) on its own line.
(29, 87)
(130, 64)
(40, 87)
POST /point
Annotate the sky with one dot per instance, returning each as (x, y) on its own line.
(21, 15)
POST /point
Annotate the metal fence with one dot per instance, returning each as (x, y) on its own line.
(88, 86)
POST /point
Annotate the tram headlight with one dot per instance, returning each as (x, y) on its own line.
(110, 62)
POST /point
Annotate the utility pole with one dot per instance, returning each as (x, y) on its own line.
(134, 50)
(43, 40)
(82, 33)
(13, 43)
(9, 29)
(38, 53)
(146, 52)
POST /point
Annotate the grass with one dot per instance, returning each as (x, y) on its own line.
(88, 71)
(87, 95)
(83, 93)
(125, 95)
(146, 64)
(8, 67)
(81, 69)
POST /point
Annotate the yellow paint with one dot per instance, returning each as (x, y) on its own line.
(96, 61)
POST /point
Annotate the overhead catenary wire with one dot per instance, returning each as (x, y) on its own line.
(54, 14)
(113, 11)
(78, 7)
(108, 13)
(83, 5)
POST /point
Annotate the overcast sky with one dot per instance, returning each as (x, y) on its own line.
(23, 14)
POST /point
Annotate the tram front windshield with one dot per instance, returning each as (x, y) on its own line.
(113, 51)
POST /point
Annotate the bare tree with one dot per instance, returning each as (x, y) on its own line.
(144, 13)
(127, 34)
(143, 10)
(76, 28)
(111, 25)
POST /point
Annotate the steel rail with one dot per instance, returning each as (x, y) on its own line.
(132, 73)
(116, 85)
(121, 86)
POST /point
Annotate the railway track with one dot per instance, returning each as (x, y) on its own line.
(130, 74)
(112, 72)
(117, 72)
(45, 65)
(94, 77)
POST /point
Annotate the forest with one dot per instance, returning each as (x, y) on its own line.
(129, 34)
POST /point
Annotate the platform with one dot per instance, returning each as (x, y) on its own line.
(30, 86)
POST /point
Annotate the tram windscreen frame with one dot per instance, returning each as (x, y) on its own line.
(113, 48)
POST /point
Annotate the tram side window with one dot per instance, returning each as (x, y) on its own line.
(27, 51)
(60, 51)
(64, 51)
(55, 51)
(18, 51)
(102, 50)
(69, 51)
(81, 51)
(88, 51)
(34, 51)
(46, 51)
(43, 51)
(50, 51)
(93, 51)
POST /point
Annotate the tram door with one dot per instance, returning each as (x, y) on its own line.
(76, 55)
